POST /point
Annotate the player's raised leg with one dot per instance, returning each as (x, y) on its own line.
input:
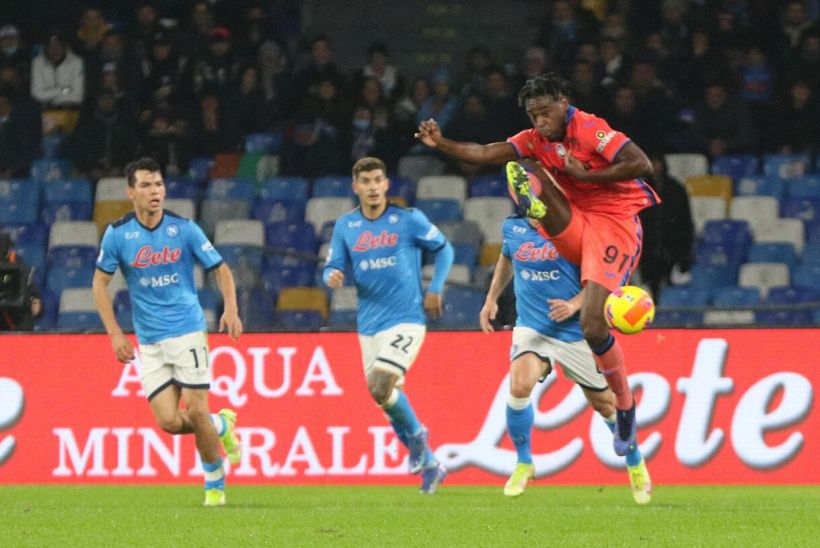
(225, 424)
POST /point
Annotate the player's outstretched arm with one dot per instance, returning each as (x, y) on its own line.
(230, 316)
(430, 134)
(123, 348)
(502, 275)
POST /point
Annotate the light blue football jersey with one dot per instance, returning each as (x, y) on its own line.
(158, 265)
(385, 256)
(540, 273)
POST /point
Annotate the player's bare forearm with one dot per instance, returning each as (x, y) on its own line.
(501, 277)
(474, 153)
(105, 306)
(224, 280)
(630, 163)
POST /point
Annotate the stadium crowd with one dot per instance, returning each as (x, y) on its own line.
(181, 81)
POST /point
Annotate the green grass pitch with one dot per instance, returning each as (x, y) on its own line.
(400, 516)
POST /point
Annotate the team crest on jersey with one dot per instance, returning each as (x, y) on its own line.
(172, 230)
(392, 218)
(560, 150)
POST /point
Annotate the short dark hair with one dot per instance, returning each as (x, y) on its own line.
(143, 164)
(550, 85)
(368, 163)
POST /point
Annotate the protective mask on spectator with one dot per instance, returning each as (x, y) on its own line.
(361, 124)
(9, 50)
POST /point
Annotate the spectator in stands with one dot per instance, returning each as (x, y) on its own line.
(797, 127)
(164, 77)
(12, 51)
(796, 22)
(614, 64)
(702, 64)
(757, 80)
(627, 118)
(586, 94)
(104, 140)
(668, 230)
(406, 110)
(19, 138)
(93, 28)
(212, 132)
(167, 140)
(534, 62)
(246, 104)
(313, 149)
(58, 76)
(654, 101)
(327, 105)
(255, 28)
(276, 80)
(368, 137)
(442, 104)
(18, 318)
(473, 81)
(472, 123)
(199, 30)
(378, 66)
(320, 67)
(109, 56)
(805, 64)
(567, 25)
(506, 117)
(144, 29)
(24, 105)
(723, 125)
(674, 28)
(218, 69)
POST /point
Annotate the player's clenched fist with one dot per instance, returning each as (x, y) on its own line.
(336, 279)
(429, 133)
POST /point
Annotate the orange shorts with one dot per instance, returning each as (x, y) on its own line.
(605, 246)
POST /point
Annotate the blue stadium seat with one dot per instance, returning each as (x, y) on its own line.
(299, 236)
(466, 254)
(772, 252)
(183, 188)
(805, 209)
(257, 309)
(461, 308)
(727, 232)
(51, 307)
(720, 255)
(67, 211)
(276, 210)
(50, 169)
(791, 294)
(783, 318)
(402, 187)
(677, 318)
(761, 186)
(288, 188)
(683, 296)
(326, 233)
(807, 186)
(234, 188)
(488, 185)
(300, 274)
(122, 310)
(806, 274)
(299, 320)
(33, 255)
(785, 166)
(241, 255)
(27, 233)
(265, 143)
(813, 230)
(735, 166)
(199, 169)
(60, 277)
(710, 277)
(735, 297)
(342, 319)
(811, 253)
(19, 201)
(71, 256)
(79, 321)
(816, 316)
(440, 210)
(67, 190)
(333, 186)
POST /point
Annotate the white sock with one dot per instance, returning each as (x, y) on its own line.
(518, 403)
(219, 423)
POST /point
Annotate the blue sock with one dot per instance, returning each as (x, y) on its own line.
(214, 474)
(519, 426)
(403, 415)
(633, 456)
(401, 433)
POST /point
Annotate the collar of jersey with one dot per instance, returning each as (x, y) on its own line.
(159, 224)
(383, 213)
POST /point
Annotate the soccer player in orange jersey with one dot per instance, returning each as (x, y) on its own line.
(587, 195)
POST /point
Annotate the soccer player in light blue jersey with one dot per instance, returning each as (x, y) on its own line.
(156, 250)
(548, 296)
(382, 243)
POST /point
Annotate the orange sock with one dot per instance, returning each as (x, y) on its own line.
(610, 361)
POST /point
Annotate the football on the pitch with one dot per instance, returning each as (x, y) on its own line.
(629, 309)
